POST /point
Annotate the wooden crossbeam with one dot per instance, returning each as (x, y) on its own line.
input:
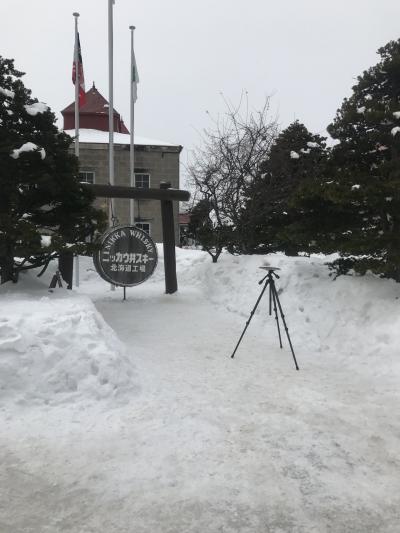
(118, 191)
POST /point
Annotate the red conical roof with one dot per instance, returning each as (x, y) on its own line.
(93, 114)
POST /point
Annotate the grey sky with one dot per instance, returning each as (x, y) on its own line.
(307, 53)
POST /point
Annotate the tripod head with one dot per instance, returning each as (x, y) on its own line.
(270, 268)
(271, 272)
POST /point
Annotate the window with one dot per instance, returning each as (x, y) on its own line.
(86, 176)
(145, 226)
(142, 181)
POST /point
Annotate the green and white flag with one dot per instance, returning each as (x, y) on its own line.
(135, 77)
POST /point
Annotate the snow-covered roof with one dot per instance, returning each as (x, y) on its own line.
(102, 137)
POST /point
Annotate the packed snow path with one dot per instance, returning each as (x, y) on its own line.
(204, 443)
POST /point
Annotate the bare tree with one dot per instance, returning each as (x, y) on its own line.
(228, 160)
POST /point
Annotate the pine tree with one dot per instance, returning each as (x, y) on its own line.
(365, 169)
(44, 211)
(296, 156)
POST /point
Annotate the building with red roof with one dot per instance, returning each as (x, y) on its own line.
(155, 161)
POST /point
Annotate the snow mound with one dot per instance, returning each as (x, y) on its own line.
(58, 349)
(354, 316)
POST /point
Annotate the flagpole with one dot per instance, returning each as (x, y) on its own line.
(76, 60)
(132, 147)
(110, 113)
(77, 81)
(111, 104)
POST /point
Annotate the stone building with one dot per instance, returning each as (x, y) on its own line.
(155, 161)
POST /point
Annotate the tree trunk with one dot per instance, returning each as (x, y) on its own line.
(7, 269)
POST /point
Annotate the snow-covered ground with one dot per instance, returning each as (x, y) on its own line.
(132, 417)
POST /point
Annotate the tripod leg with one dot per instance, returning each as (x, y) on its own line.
(285, 325)
(276, 314)
(270, 300)
(250, 317)
(53, 282)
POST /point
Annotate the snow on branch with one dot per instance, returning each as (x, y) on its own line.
(7, 92)
(34, 109)
(28, 147)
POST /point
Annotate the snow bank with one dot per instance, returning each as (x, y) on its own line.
(58, 348)
(352, 317)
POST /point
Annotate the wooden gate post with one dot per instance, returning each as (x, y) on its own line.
(167, 217)
(66, 267)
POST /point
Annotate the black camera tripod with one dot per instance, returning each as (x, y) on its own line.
(273, 299)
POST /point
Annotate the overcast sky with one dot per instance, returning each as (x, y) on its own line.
(306, 53)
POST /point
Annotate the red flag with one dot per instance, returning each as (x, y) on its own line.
(81, 77)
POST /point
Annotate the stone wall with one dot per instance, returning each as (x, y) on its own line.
(162, 163)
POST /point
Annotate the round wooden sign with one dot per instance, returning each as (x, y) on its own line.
(127, 256)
